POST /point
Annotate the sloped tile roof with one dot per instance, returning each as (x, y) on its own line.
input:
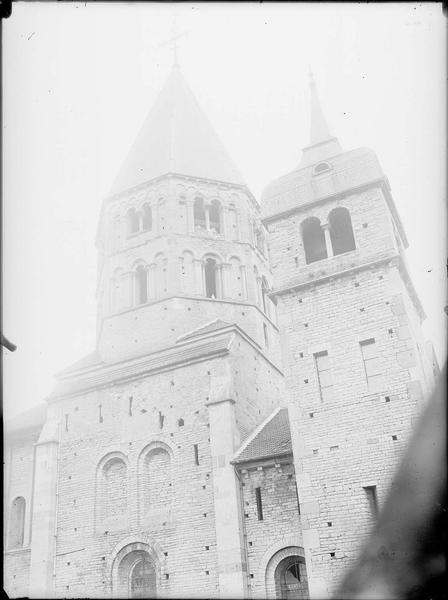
(273, 439)
(114, 373)
(33, 418)
(90, 360)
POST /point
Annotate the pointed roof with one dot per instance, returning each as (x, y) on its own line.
(319, 130)
(271, 438)
(176, 137)
(322, 142)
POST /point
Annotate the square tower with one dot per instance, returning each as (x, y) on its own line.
(354, 357)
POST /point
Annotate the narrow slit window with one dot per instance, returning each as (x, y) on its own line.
(100, 414)
(130, 406)
(161, 420)
(297, 496)
(259, 503)
(66, 422)
(196, 454)
(265, 333)
(324, 375)
(372, 498)
(372, 365)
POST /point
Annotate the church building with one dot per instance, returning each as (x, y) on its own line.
(257, 372)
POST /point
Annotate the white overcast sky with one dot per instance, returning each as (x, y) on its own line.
(79, 79)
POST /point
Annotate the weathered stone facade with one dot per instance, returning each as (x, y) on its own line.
(166, 464)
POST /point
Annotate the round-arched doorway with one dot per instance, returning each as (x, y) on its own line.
(136, 576)
(142, 579)
(291, 582)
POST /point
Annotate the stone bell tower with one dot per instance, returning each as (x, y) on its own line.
(180, 238)
(135, 493)
(354, 356)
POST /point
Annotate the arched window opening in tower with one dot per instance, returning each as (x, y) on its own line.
(17, 523)
(291, 579)
(133, 221)
(215, 216)
(341, 231)
(146, 217)
(199, 215)
(141, 276)
(313, 240)
(210, 270)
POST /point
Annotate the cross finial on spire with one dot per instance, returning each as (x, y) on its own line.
(173, 41)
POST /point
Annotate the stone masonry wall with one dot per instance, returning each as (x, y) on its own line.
(185, 534)
(280, 517)
(18, 480)
(355, 438)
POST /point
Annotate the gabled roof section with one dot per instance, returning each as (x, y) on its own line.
(176, 137)
(215, 325)
(271, 438)
(33, 418)
(90, 360)
(106, 375)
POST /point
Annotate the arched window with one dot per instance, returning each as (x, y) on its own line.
(146, 217)
(17, 523)
(199, 214)
(210, 272)
(321, 168)
(313, 240)
(157, 490)
(341, 231)
(215, 216)
(115, 488)
(141, 284)
(133, 220)
(291, 579)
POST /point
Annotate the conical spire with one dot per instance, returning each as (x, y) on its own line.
(319, 131)
(322, 144)
(176, 137)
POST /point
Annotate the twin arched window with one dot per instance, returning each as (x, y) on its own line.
(139, 220)
(154, 485)
(17, 523)
(341, 239)
(207, 217)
